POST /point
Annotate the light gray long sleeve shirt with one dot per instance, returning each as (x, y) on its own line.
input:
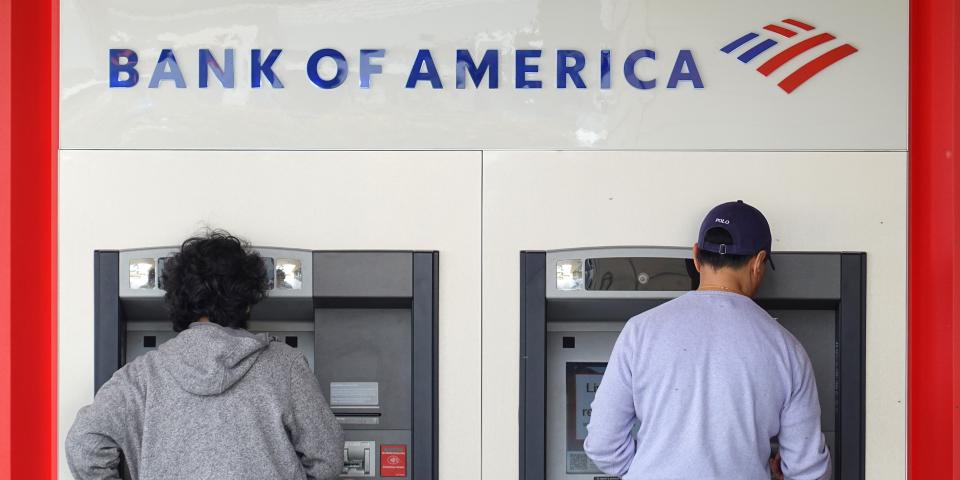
(709, 378)
(211, 403)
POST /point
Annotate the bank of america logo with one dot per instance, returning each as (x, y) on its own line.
(798, 38)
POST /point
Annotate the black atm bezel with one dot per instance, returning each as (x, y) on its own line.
(424, 307)
(849, 303)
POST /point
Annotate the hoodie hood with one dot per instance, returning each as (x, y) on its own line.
(207, 359)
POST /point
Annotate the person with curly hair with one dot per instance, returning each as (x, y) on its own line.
(216, 401)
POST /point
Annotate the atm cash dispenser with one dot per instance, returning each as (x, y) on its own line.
(573, 304)
(366, 321)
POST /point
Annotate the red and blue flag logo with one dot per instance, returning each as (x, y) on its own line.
(795, 38)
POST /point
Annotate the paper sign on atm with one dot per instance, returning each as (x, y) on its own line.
(393, 460)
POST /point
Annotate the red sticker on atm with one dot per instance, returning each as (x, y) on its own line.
(393, 460)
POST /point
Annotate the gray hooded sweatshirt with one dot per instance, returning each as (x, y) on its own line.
(211, 403)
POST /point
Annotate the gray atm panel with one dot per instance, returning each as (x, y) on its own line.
(819, 297)
(816, 331)
(366, 321)
(142, 337)
(346, 275)
(375, 344)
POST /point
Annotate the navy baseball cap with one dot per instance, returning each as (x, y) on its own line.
(746, 225)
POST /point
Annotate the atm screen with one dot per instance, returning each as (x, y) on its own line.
(583, 378)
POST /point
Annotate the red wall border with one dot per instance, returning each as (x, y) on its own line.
(933, 417)
(30, 164)
(5, 164)
(29, 93)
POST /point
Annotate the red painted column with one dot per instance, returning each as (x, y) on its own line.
(29, 32)
(5, 120)
(30, 324)
(934, 291)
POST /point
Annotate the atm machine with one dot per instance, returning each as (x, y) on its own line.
(573, 304)
(365, 320)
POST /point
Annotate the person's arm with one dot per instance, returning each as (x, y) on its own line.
(314, 431)
(609, 442)
(803, 449)
(107, 428)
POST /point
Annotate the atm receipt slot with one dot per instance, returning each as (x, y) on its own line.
(356, 403)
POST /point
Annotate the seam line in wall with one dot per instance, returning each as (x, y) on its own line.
(481, 310)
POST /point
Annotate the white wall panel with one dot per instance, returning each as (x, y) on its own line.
(322, 200)
(814, 201)
(858, 103)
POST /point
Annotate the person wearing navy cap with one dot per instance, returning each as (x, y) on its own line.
(706, 381)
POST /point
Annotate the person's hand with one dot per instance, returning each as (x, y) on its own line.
(776, 473)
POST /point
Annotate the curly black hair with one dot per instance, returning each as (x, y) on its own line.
(215, 275)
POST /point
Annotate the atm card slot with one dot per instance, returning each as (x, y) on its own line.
(359, 459)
